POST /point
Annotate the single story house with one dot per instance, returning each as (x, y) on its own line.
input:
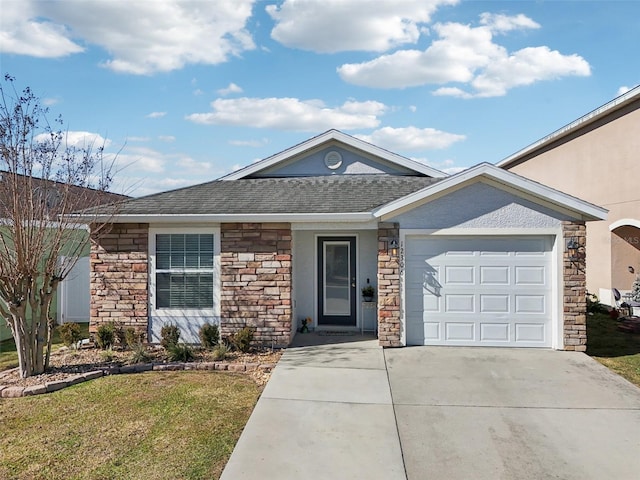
(596, 158)
(484, 257)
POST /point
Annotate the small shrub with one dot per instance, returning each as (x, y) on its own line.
(70, 333)
(132, 337)
(106, 336)
(242, 339)
(209, 335)
(120, 334)
(220, 351)
(140, 354)
(169, 336)
(108, 355)
(180, 352)
(594, 305)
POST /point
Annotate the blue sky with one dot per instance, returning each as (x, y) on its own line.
(187, 91)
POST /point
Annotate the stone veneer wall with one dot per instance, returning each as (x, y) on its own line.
(574, 294)
(256, 278)
(119, 277)
(388, 287)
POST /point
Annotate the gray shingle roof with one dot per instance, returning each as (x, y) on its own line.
(322, 194)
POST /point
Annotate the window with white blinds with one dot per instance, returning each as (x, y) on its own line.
(184, 270)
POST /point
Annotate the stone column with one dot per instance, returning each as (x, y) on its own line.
(574, 289)
(119, 277)
(256, 280)
(388, 286)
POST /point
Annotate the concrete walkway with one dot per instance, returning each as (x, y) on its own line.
(349, 410)
(325, 413)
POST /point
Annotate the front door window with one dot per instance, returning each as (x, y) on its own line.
(336, 281)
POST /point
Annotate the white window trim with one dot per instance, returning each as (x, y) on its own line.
(173, 312)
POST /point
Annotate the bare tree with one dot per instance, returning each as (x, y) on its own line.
(42, 180)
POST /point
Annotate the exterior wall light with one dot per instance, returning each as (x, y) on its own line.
(575, 250)
(393, 246)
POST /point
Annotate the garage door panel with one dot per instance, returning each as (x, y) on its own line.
(530, 275)
(459, 275)
(530, 332)
(496, 295)
(460, 303)
(460, 331)
(494, 275)
(494, 304)
(494, 332)
(528, 304)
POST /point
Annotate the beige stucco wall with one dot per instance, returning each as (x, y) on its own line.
(600, 165)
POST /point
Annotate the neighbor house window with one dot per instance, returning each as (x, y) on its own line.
(184, 271)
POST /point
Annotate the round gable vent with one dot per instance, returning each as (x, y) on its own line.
(333, 160)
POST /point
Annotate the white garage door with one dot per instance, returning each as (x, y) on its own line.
(493, 291)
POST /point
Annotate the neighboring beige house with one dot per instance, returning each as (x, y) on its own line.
(597, 158)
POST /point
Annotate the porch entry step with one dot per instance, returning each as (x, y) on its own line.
(331, 333)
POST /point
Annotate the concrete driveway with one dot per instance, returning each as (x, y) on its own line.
(350, 410)
(485, 413)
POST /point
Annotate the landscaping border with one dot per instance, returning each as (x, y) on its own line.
(7, 391)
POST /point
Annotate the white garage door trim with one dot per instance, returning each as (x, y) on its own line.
(472, 322)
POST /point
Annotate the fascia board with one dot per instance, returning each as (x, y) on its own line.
(550, 196)
(340, 137)
(236, 218)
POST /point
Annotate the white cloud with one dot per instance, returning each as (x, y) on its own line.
(166, 138)
(190, 166)
(140, 159)
(86, 139)
(446, 166)
(525, 67)
(504, 23)
(249, 143)
(143, 37)
(78, 139)
(156, 114)
(329, 26)
(48, 102)
(143, 171)
(232, 88)
(22, 32)
(291, 114)
(624, 89)
(411, 138)
(464, 54)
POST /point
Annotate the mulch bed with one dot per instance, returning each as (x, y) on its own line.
(68, 367)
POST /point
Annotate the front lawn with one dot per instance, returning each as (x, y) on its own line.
(616, 350)
(156, 425)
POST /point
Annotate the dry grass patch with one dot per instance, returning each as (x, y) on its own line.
(156, 425)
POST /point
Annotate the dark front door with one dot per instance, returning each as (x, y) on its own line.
(337, 281)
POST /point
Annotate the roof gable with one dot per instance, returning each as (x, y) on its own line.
(485, 172)
(317, 156)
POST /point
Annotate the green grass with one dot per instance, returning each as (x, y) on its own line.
(9, 356)
(156, 425)
(616, 350)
